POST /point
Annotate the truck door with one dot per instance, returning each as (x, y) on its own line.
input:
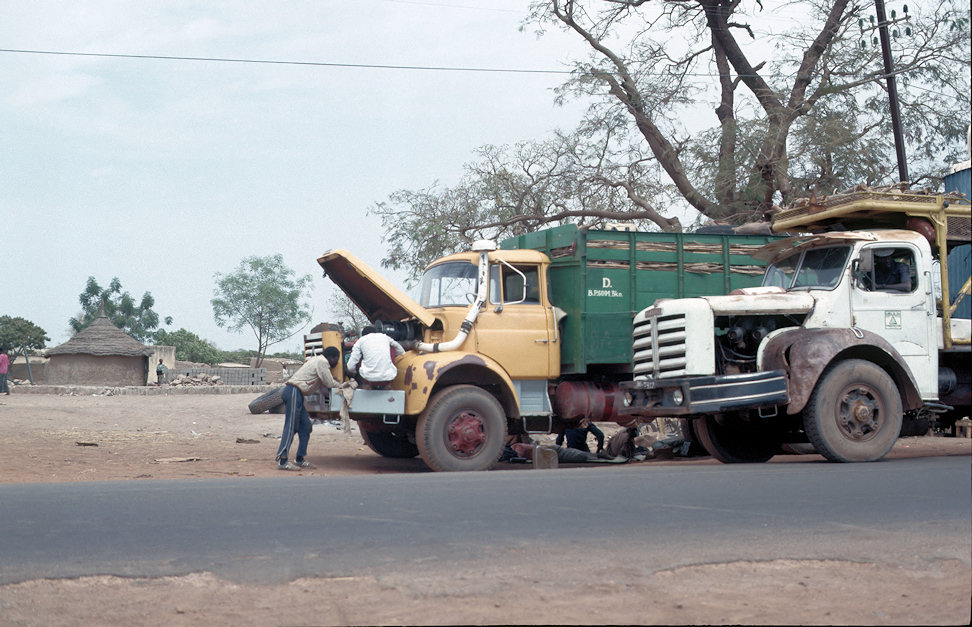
(517, 326)
(894, 299)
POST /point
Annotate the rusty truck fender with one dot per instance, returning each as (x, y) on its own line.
(422, 374)
(805, 353)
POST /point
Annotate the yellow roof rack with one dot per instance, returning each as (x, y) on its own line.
(875, 208)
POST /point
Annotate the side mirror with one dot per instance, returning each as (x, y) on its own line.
(866, 262)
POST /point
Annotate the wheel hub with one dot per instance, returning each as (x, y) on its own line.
(466, 434)
(859, 414)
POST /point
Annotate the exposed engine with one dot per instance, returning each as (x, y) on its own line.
(399, 331)
(738, 339)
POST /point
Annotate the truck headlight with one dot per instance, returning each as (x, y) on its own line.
(628, 399)
(677, 397)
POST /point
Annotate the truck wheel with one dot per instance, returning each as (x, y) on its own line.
(854, 413)
(692, 437)
(462, 428)
(389, 444)
(269, 401)
(732, 440)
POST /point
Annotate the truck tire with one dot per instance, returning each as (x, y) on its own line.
(692, 437)
(462, 428)
(732, 440)
(389, 444)
(269, 401)
(854, 414)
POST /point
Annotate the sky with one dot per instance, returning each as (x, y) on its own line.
(164, 172)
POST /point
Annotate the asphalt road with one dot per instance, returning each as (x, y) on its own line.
(905, 511)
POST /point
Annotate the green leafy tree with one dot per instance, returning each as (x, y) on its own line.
(763, 81)
(706, 110)
(511, 190)
(189, 346)
(136, 318)
(18, 333)
(264, 295)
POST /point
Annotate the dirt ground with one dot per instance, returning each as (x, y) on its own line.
(96, 437)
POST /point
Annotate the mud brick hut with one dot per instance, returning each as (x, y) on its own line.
(101, 354)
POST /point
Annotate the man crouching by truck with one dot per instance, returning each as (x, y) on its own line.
(312, 376)
(372, 358)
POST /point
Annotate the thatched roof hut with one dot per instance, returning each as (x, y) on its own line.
(101, 354)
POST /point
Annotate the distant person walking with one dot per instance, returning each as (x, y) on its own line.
(160, 373)
(315, 374)
(372, 358)
(4, 369)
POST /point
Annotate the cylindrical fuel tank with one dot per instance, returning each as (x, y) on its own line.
(576, 400)
(954, 386)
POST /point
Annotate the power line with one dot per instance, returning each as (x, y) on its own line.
(377, 66)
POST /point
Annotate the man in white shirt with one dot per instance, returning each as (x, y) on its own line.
(372, 358)
(314, 375)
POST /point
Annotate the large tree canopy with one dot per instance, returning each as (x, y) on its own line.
(769, 73)
(136, 318)
(264, 295)
(20, 333)
(722, 107)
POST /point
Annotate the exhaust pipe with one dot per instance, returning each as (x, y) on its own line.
(483, 247)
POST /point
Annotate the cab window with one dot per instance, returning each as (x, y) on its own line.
(506, 284)
(893, 271)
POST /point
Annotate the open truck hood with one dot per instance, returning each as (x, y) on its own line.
(371, 292)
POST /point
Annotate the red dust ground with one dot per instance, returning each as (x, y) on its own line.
(94, 437)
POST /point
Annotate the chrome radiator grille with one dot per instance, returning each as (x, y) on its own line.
(660, 345)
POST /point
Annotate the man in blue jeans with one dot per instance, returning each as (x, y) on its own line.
(577, 437)
(314, 375)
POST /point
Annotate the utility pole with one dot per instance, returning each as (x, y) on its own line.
(899, 146)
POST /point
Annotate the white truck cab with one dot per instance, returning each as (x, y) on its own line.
(844, 345)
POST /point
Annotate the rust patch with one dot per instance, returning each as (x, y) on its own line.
(805, 353)
(468, 359)
(474, 360)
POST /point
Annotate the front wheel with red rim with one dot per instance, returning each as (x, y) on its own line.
(462, 428)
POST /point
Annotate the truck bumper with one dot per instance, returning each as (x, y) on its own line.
(683, 396)
(370, 402)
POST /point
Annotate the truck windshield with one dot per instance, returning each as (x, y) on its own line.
(446, 284)
(818, 268)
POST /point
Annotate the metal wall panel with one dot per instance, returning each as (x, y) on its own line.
(959, 266)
